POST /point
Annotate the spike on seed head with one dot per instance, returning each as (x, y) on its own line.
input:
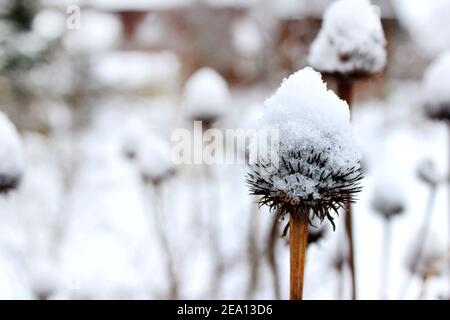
(306, 190)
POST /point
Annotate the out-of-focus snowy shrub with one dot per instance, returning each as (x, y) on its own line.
(351, 40)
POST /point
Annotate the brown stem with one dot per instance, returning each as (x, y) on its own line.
(345, 88)
(298, 239)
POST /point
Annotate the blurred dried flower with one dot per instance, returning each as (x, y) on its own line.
(206, 96)
(11, 156)
(319, 170)
(427, 172)
(388, 200)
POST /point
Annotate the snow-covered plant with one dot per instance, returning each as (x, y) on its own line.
(319, 165)
(11, 156)
(388, 200)
(350, 45)
(427, 172)
(152, 157)
(351, 40)
(436, 89)
(206, 96)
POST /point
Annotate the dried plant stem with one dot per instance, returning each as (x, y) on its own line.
(298, 239)
(448, 183)
(164, 241)
(425, 229)
(385, 259)
(345, 88)
(271, 250)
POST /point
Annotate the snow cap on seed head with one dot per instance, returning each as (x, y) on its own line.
(11, 156)
(351, 40)
(436, 88)
(319, 166)
(206, 96)
(388, 200)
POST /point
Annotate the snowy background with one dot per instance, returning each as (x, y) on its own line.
(102, 212)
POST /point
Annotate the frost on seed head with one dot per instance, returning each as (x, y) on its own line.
(351, 40)
(319, 164)
(11, 156)
(436, 89)
(206, 96)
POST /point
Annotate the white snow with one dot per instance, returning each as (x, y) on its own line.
(351, 39)
(310, 117)
(98, 32)
(247, 37)
(49, 23)
(11, 154)
(426, 22)
(206, 95)
(132, 70)
(436, 83)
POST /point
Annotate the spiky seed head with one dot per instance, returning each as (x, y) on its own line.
(304, 185)
(314, 169)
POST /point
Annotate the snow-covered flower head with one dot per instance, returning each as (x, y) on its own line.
(436, 89)
(319, 165)
(351, 40)
(206, 96)
(388, 199)
(11, 156)
(152, 156)
(428, 173)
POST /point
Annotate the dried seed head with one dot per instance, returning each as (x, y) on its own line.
(388, 200)
(351, 41)
(425, 259)
(427, 172)
(304, 185)
(436, 90)
(316, 169)
(11, 156)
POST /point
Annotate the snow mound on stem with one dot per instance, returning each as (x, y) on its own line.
(351, 40)
(206, 95)
(11, 155)
(319, 167)
(436, 88)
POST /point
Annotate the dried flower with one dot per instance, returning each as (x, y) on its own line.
(11, 156)
(427, 172)
(388, 200)
(436, 93)
(319, 167)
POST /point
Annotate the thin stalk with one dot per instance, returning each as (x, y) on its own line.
(345, 88)
(425, 227)
(271, 250)
(448, 263)
(298, 239)
(385, 258)
(253, 253)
